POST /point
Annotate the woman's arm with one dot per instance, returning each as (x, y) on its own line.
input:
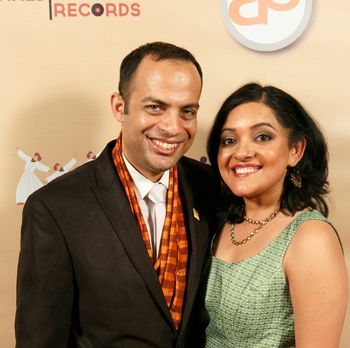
(315, 269)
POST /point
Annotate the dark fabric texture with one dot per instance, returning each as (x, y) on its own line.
(84, 276)
(171, 265)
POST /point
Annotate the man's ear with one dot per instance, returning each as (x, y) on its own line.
(297, 152)
(118, 106)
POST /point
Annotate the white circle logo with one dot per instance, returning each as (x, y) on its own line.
(266, 25)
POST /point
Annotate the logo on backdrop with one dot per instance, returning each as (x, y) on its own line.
(70, 9)
(266, 25)
(63, 9)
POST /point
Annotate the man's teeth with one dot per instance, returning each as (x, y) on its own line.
(246, 170)
(165, 146)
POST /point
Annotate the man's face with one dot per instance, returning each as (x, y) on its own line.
(162, 115)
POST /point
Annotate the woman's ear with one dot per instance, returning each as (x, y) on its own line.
(118, 105)
(297, 152)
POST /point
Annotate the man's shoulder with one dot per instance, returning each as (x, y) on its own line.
(190, 163)
(67, 184)
(199, 186)
(193, 168)
(80, 179)
(198, 175)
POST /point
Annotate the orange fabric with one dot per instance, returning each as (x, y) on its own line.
(171, 264)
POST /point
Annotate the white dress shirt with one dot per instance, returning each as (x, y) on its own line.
(142, 187)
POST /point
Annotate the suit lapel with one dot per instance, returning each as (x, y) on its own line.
(110, 194)
(197, 232)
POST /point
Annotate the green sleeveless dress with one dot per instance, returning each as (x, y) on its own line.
(247, 304)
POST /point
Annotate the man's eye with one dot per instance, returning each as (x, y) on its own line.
(189, 113)
(153, 107)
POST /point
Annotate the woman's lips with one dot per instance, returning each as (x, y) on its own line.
(243, 170)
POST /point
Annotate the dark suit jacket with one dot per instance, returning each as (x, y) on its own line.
(84, 277)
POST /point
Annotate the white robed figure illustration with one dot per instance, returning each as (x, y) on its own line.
(60, 170)
(92, 156)
(29, 182)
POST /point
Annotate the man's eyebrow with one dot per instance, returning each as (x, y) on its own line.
(162, 102)
(153, 100)
(192, 105)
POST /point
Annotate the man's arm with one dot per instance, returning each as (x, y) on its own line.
(44, 281)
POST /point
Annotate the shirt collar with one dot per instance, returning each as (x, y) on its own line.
(143, 185)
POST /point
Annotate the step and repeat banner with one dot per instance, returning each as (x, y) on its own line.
(59, 66)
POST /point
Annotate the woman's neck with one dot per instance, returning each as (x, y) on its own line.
(260, 210)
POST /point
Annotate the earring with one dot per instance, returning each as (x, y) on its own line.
(295, 178)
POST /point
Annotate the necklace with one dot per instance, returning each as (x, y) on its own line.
(260, 223)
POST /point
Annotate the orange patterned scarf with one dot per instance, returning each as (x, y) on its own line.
(172, 260)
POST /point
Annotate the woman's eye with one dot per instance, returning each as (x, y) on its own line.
(228, 141)
(263, 137)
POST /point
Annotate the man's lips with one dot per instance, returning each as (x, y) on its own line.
(164, 145)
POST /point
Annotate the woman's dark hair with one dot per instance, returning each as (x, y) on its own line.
(312, 168)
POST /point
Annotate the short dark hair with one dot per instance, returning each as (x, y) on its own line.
(312, 168)
(158, 51)
(37, 154)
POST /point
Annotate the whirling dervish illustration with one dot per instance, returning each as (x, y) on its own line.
(92, 156)
(60, 170)
(29, 182)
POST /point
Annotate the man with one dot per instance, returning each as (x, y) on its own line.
(96, 268)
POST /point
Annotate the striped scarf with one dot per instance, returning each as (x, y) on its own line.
(172, 260)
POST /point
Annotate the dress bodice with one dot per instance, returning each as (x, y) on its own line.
(247, 304)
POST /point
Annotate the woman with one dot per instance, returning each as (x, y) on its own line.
(29, 182)
(276, 276)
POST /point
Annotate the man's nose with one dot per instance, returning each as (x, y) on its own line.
(171, 122)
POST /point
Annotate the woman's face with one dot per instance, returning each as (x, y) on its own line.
(254, 153)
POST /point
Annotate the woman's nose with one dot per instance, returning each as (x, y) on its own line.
(244, 150)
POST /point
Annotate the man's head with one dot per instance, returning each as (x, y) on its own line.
(158, 51)
(157, 106)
